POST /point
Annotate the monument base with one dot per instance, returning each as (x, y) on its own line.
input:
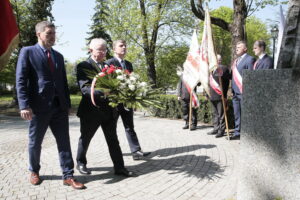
(270, 137)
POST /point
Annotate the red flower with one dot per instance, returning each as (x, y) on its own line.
(105, 69)
(126, 71)
(111, 69)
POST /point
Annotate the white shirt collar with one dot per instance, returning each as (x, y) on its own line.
(119, 59)
(261, 56)
(242, 56)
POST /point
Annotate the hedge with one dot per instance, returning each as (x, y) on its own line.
(172, 109)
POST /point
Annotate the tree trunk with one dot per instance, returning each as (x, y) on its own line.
(150, 46)
(151, 72)
(237, 28)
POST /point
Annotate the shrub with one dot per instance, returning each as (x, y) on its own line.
(172, 109)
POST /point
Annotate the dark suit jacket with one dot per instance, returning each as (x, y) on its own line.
(246, 63)
(35, 83)
(85, 72)
(225, 83)
(265, 63)
(115, 62)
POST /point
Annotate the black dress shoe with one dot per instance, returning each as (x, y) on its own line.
(83, 169)
(235, 137)
(193, 127)
(219, 135)
(186, 126)
(139, 155)
(125, 172)
(213, 132)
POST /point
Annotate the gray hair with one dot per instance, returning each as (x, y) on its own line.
(242, 42)
(40, 27)
(96, 41)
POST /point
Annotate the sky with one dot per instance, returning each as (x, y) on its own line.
(73, 19)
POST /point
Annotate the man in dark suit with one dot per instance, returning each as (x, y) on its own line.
(91, 117)
(44, 99)
(264, 61)
(184, 95)
(216, 97)
(243, 62)
(120, 48)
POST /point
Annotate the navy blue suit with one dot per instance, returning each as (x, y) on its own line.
(47, 94)
(127, 114)
(246, 62)
(266, 62)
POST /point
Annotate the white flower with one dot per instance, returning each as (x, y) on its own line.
(131, 87)
(120, 77)
(132, 78)
(122, 85)
(142, 84)
(118, 71)
(128, 81)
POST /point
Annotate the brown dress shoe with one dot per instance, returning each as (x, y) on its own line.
(72, 182)
(35, 179)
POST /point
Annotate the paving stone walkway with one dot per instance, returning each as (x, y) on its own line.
(183, 165)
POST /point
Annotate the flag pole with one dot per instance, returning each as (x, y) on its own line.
(224, 107)
(190, 110)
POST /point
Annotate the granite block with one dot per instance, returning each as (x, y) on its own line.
(269, 164)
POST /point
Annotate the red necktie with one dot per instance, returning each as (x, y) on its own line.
(255, 64)
(50, 61)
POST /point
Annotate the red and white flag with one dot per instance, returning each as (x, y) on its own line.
(190, 75)
(9, 34)
(208, 59)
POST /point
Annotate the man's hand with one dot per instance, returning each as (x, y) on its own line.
(26, 114)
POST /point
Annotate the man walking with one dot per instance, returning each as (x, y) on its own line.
(91, 117)
(120, 49)
(44, 99)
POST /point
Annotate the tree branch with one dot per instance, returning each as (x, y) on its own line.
(200, 13)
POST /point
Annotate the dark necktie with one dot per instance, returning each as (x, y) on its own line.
(99, 65)
(50, 61)
(123, 64)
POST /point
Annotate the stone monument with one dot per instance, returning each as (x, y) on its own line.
(269, 163)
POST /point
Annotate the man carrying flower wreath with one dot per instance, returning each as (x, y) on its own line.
(120, 49)
(91, 116)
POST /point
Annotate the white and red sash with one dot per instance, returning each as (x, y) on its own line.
(214, 85)
(237, 76)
